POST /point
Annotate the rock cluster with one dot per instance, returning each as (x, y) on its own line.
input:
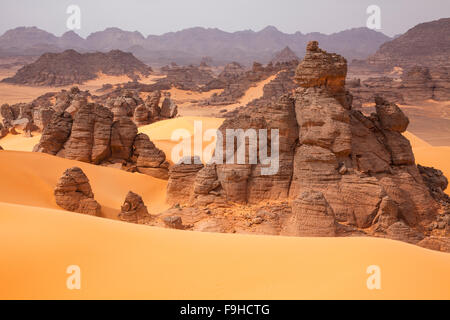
(94, 134)
(73, 193)
(17, 117)
(191, 77)
(235, 82)
(415, 85)
(341, 173)
(282, 83)
(35, 116)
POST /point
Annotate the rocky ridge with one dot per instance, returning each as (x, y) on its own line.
(70, 67)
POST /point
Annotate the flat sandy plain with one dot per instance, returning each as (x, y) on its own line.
(38, 241)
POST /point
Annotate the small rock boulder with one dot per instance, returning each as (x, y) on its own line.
(134, 210)
(173, 222)
(73, 193)
(169, 109)
(391, 116)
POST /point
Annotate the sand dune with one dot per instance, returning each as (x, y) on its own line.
(29, 179)
(121, 260)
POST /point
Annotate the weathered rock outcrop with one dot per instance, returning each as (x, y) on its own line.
(73, 193)
(134, 210)
(168, 109)
(182, 178)
(55, 134)
(42, 117)
(148, 158)
(339, 172)
(417, 84)
(93, 136)
(319, 68)
(90, 136)
(391, 116)
(437, 183)
(311, 217)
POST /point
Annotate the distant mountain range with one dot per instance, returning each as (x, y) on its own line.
(427, 44)
(191, 45)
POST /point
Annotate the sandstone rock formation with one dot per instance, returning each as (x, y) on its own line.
(95, 135)
(134, 210)
(182, 177)
(391, 116)
(70, 67)
(339, 172)
(311, 217)
(235, 82)
(185, 78)
(417, 84)
(168, 109)
(321, 69)
(148, 158)
(55, 134)
(73, 193)
(436, 183)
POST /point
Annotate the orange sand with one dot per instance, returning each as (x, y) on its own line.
(121, 260)
(29, 179)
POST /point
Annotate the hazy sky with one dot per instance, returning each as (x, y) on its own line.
(161, 16)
